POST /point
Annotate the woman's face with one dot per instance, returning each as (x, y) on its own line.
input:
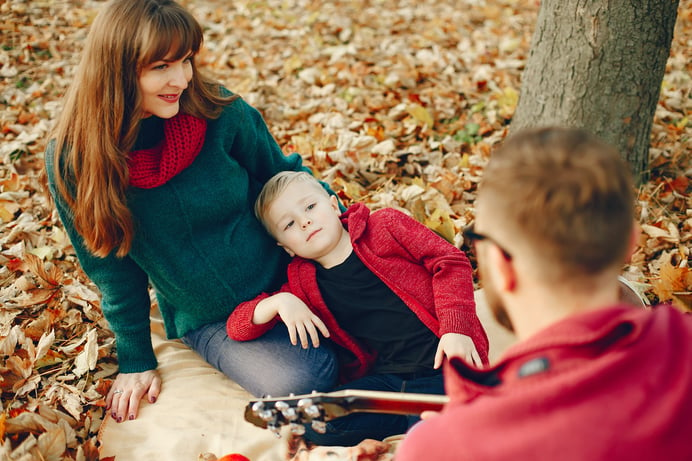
(162, 83)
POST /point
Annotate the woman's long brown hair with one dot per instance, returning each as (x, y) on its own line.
(100, 119)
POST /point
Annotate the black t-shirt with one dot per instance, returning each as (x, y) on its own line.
(372, 313)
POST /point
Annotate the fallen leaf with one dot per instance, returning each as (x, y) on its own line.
(86, 360)
(672, 279)
(421, 114)
(52, 444)
(44, 344)
(441, 224)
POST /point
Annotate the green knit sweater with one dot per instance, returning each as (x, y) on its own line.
(197, 240)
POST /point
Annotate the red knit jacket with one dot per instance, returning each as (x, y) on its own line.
(431, 276)
(612, 384)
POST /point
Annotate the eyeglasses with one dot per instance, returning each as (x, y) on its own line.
(471, 236)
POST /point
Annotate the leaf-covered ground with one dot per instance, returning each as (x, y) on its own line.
(395, 103)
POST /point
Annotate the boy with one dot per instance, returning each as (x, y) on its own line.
(381, 286)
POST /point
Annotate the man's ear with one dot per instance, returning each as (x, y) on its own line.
(633, 242)
(506, 275)
(287, 250)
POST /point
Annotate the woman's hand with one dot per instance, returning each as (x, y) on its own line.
(128, 390)
(457, 345)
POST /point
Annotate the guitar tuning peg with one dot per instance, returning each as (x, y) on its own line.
(319, 426)
(266, 415)
(290, 414)
(286, 410)
(313, 411)
(302, 403)
(257, 407)
(297, 429)
(281, 406)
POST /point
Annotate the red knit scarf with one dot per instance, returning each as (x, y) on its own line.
(183, 137)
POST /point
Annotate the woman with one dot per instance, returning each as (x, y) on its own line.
(154, 169)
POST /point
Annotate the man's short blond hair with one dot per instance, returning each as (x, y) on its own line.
(275, 186)
(565, 194)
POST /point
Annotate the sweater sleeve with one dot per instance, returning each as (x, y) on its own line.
(123, 286)
(451, 272)
(239, 325)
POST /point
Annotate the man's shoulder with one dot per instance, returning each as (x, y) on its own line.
(670, 319)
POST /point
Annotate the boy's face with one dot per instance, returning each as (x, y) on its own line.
(304, 219)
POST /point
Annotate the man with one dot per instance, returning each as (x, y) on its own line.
(590, 378)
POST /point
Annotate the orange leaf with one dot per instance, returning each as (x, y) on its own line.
(3, 418)
(680, 184)
(36, 296)
(671, 280)
(52, 277)
(13, 183)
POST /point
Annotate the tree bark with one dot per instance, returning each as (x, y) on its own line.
(598, 65)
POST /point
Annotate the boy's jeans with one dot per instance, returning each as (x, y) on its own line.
(269, 365)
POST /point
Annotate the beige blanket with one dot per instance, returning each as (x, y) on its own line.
(199, 414)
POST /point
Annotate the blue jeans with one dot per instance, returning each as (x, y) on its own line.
(269, 365)
(354, 428)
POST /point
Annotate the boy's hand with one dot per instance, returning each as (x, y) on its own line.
(301, 322)
(457, 345)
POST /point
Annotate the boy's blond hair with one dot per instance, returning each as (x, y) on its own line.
(275, 186)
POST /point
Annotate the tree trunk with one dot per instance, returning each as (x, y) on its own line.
(598, 65)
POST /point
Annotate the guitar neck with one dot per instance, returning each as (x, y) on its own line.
(400, 403)
(327, 406)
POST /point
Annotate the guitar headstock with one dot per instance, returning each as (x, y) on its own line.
(295, 411)
(317, 408)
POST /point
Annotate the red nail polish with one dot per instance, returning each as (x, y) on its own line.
(131, 417)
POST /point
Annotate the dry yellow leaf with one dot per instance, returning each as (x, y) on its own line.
(8, 210)
(421, 114)
(442, 224)
(507, 101)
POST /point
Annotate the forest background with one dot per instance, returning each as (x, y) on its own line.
(395, 103)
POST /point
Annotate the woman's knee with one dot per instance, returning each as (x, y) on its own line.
(270, 365)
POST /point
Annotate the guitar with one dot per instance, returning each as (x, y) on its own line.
(318, 408)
